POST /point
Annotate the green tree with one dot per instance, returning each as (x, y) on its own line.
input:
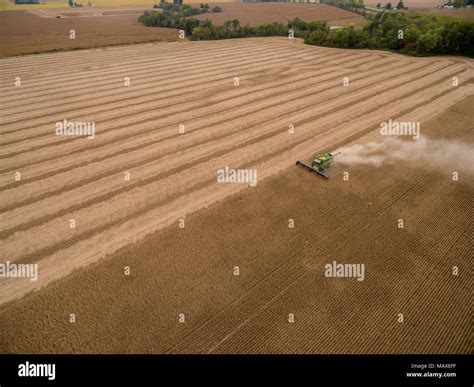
(235, 24)
(226, 25)
(411, 34)
(423, 34)
(389, 6)
(426, 43)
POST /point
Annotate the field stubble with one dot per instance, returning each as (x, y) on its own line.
(173, 175)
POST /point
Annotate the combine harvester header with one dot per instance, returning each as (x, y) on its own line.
(320, 163)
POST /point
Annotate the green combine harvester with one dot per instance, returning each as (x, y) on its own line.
(320, 164)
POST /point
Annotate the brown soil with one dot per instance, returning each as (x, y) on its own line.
(173, 176)
(411, 4)
(258, 13)
(464, 13)
(23, 32)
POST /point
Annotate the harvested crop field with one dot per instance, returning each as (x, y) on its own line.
(46, 30)
(462, 13)
(62, 4)
(135, 222)
(89, 12)
(259, 13)
(25, 32)
(411, 4)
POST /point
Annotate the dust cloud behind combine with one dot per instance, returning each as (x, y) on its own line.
(427, 152)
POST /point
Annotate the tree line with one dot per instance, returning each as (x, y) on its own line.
(412, 34)
(186, 10)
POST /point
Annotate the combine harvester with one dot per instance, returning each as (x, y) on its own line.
(320, 164)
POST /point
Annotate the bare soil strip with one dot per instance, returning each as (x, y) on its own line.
(26, 33)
